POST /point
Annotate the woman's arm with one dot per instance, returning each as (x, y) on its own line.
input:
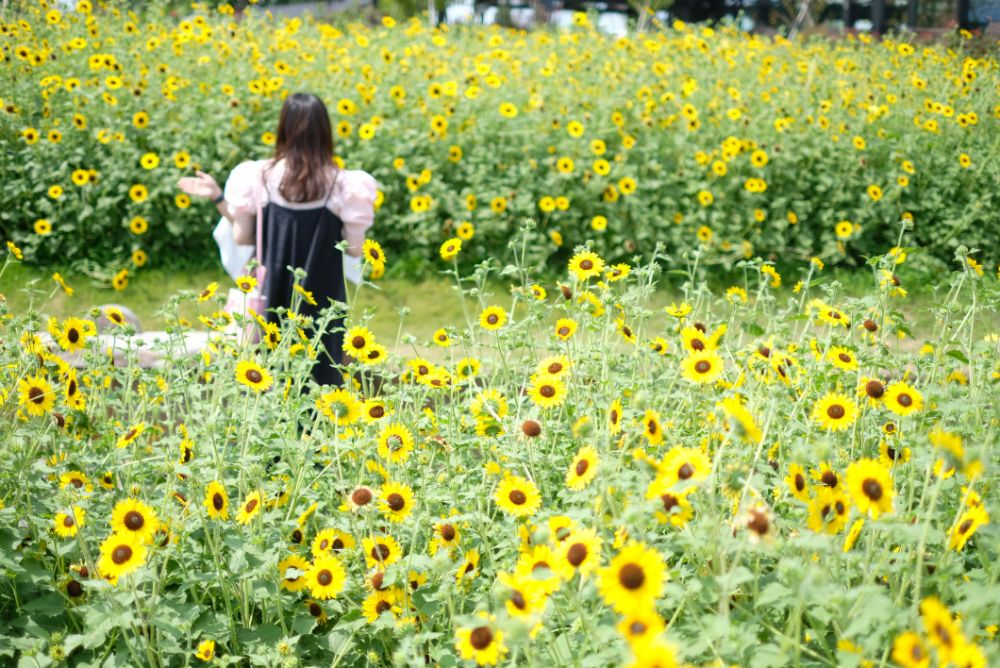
(204, 185)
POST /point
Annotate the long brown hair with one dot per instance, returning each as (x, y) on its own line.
(305, 142)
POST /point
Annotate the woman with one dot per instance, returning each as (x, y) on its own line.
(308, 206)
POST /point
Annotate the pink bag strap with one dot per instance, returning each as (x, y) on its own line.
(259, 239)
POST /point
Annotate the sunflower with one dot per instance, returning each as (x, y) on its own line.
(340, 406)
(67, 524)
(249, 509)
(554, 365)
(253, 375)
(586, 265)
(376, 354)
(684, 465)
(536, 565)
(358, 341)
(565, 328)
(380, 602)
(489, 403)
(120, 555)
(547, 391)
(483, 643)
(395, 442)
(641, 626)
(325, 578)
(656, 653)
(396, 501)
(651, 429)
(74, 334)
(582, 469)
(968, 522)
(902, 399)
(796, 481)
(35, 395)
(469, 566)
(372, 252)
(828, 511)
(634, 578)
(835, 411)
(77, 480)
(579, 553)
(517, 496)
(675, 507)
(205, 651)
(702, 367)
(216, 501)
(381, 551)
(615, 417)
(133, 517)
(870, 486)
(446, 536)
(450, 249)
(943, 631)
(130, 435)
(492, 318)
(909, 651)
(331, 541)
(695, 339)
(292, 570)
(842, 358)
(522, 598)
(359, 498)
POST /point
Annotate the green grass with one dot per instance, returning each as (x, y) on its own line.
(412, 306)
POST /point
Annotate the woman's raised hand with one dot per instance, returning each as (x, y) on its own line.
(202, 185)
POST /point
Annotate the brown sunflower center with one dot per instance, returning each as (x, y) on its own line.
(829, 478)
(324, 577)
(121, 554)
(35, 395)
(637, 628)
(905, 400)
(376, 412)
(315, 609)
(844, 357)
(631, 576)
(685, 471)
(361, 496)
(800, 482)
(72, 335)
(492, 318)
(383, 606)
(874, 389)
(254, 376)
(758, 522)
(669, 502)
(517, 497)
(872, 489)
(531, 428)
(586, 265)
(251, 505)
(68, 522)
(448, 532)
(697, 344)
(547, 391)
(481, 637)
(836, 411)
(396, 502)
(703, 366)
(576, 554)
(563, 331)
(381, 552)
(555, 368)
(337, 545)
(517, 598)
(964, 526)
(358, 342)
(764, 351)
(870, 325)
(134, 520)
(582, 466)
(74, 589)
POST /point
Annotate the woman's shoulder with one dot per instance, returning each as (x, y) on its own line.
(352, 180)
(248, 170)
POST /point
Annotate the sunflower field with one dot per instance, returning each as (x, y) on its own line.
(687, 136)
(781, 474)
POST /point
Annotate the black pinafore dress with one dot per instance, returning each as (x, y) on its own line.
(307, 239)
